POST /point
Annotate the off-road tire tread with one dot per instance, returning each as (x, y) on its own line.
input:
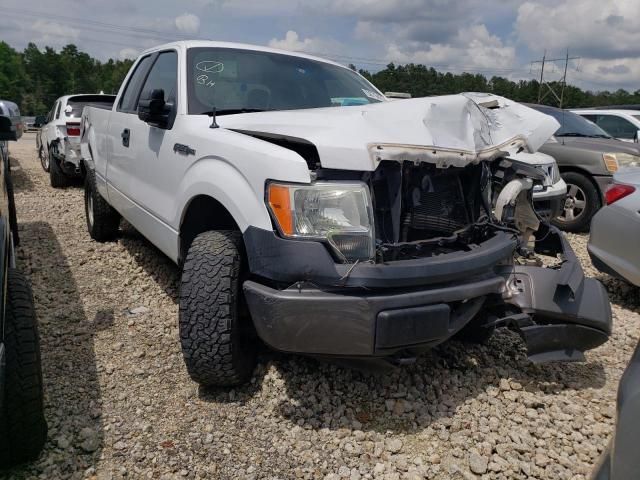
(216, 340)
(23, 430)
(106, 220)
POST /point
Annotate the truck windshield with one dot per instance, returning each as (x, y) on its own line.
(237, 81)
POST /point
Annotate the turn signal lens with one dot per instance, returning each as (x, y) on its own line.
(610, 162)
(618, 191)
(280, 203)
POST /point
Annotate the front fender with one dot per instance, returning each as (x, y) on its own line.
(217, 178)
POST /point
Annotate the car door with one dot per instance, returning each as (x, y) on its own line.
(123, 119)
(155, 186)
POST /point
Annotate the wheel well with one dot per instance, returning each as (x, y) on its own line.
(586, 174)
(203, 213)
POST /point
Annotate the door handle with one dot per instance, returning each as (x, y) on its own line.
(126, 135)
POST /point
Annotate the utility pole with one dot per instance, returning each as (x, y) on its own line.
(545, 89)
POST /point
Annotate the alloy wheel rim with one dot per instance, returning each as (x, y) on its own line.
(574, 205)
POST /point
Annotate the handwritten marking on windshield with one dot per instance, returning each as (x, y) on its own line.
(204, 80)
(210, 66)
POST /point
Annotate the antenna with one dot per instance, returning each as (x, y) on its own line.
(214, 124)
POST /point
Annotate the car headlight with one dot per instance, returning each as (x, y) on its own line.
(613, 161)
(339, 213)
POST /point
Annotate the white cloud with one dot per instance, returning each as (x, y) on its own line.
(605, 35)
(128, 53)
(188, 23)
(53, 34)
(293, 42)
(472, 48)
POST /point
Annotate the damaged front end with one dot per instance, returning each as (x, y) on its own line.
(429, 243)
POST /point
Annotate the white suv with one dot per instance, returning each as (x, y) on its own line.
(621, 124)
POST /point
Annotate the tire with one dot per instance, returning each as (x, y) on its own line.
(44, 158)
(582, 203)
(23, 429)
(217, 336)
(103, 220)
(57, 177)
(13, 216)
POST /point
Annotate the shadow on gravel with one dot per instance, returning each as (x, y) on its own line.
(21, 181)
(411, 398)
(73, 405)
(154, 263)
(620, 292)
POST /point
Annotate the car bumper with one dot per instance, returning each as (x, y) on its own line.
(603, 182)
(561, 314)
(549, 203)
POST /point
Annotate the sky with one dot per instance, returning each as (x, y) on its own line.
(501, 37)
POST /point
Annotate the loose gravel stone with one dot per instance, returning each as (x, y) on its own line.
(120, 403)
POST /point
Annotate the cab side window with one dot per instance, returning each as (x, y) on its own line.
(58, 110)
(129, 99)
(617, 127)
(163, 75)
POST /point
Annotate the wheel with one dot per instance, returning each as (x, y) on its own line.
(43, 153)
(103, 220)
(23, 429)
(56, 176)
(216, 333)
(581, 204)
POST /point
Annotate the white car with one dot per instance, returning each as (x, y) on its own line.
(58, 141)
(308, 211)
(621, 124)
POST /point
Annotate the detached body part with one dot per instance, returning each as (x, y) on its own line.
(58, 141)
(309, 211)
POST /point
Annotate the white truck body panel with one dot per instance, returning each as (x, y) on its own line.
(151, 184)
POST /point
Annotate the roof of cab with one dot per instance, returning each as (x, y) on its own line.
(186, 44)
(619, 111)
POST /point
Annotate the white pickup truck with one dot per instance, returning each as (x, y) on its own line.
(309, 212)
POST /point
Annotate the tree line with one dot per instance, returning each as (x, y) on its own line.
(34, 78)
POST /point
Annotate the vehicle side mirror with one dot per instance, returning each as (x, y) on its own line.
(8, 130)
(154, 110)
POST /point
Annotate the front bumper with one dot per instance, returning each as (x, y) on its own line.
(558, 312)
(550, 202)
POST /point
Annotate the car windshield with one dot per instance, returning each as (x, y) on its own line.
(573, 125)
(238, 81)
(76, 104)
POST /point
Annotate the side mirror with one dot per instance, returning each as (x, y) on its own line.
(8, 131)
(154, 110)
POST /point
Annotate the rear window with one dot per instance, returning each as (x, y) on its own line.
(78, 103)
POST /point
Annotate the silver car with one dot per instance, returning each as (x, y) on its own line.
(615, 229)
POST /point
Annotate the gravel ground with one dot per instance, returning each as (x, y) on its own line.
(120, 404)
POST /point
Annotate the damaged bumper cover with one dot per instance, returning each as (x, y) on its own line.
(383, 310)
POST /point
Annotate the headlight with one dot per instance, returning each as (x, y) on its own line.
(613, 161)
(335, 212)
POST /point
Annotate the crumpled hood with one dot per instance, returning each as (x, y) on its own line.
(452, 130)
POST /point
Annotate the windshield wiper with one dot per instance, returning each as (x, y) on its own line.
(231, 111)
(572, 134)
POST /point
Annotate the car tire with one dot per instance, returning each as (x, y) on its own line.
(581, 204)
(44, 158)
(57, 177)
(103, 220)
(23, 429)
(216, 332)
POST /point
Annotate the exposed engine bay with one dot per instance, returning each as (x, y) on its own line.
(421, 210)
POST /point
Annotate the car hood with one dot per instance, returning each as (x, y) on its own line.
(452, 130)
(604, 145)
